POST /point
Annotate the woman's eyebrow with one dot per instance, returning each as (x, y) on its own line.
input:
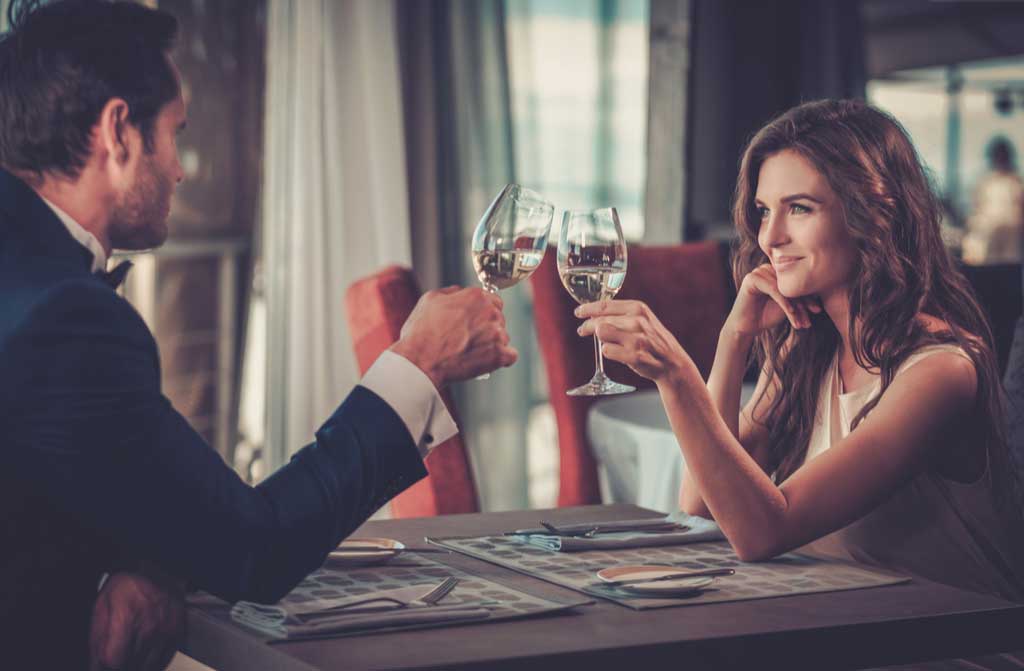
(791, 198)
(801, 196)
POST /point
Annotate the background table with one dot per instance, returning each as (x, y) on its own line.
(637, 452)
(835, 630)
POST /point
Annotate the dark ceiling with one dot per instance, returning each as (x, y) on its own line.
(908, 34)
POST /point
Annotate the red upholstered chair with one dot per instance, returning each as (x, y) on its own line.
(377, 306)
(689, 288)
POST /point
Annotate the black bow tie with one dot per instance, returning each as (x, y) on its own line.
(115, 277)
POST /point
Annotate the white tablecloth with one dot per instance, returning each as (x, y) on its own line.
(639, 459)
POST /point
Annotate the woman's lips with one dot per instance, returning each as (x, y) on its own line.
(785, 262)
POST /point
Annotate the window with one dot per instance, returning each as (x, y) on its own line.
(578, 88)
(963, 107)
(578, 79)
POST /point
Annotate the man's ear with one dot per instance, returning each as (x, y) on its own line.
(117, 137)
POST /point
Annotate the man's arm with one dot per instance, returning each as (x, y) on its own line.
(90, 428)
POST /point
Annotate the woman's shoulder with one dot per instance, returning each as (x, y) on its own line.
(941, 336)
(941, 341)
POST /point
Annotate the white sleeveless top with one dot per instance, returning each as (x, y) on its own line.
(932, 527)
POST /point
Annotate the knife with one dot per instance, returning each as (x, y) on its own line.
(673, 576)
(369, 549)
(657, 524)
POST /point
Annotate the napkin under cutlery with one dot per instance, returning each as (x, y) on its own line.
(329, 616)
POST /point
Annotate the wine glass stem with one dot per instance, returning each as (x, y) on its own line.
(598, 357)
(491, 289)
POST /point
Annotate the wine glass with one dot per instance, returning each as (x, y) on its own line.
(510, 240)
(592, 265)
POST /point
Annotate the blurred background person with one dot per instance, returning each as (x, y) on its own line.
(995, 227)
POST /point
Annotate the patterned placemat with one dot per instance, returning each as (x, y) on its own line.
(785, 575)
(503, 602)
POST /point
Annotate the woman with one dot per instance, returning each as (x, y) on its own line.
(875, 432)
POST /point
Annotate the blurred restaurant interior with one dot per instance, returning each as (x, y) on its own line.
(328, 140)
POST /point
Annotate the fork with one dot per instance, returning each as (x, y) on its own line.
(441, 591)
(429, 599)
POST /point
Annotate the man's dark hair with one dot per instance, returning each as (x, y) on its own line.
(61, 62)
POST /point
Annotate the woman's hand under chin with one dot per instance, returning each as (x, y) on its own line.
(760, 306)
(630, 333)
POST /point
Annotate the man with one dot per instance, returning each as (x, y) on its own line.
(99, 473)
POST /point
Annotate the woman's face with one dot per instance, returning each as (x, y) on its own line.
(802, 229)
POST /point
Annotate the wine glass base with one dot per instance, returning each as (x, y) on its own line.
(603, 387)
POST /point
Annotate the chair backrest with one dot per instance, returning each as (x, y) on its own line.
(687, 286)
(377, 307)
(998, 288)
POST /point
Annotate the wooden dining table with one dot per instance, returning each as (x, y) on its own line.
(910, 622)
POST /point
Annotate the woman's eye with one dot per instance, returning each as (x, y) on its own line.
(797, 208)
(762, 213)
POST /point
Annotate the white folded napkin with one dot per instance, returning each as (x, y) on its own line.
(699, 531)
(290, 620)
(360, 620)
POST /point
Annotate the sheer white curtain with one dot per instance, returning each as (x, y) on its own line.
(335, 203)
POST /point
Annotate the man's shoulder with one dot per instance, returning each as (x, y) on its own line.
(70, 331)
(41, 298)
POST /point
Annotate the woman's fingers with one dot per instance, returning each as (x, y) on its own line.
(623, 341)
(803, 315)
(615, 352)
(769, 287)
(608, 332)
(610, 308)
(809, 305)
(623, 323)
(632, 335)
(798, 310)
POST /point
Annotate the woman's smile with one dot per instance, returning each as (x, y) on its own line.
(781, 263)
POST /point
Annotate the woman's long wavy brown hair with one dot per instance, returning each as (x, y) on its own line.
(903, 270)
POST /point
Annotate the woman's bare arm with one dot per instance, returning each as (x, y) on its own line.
(891, 446)
(902, 436)
(725, 386)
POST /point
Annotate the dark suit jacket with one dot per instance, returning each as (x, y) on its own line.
(97, 465)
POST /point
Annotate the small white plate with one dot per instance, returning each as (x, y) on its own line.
(389, 549)
(677, 587)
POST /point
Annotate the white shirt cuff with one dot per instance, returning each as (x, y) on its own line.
(412, 395)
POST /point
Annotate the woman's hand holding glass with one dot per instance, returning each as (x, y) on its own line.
(630, 333)
(760, 306)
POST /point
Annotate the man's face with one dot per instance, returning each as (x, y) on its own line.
(139, 216)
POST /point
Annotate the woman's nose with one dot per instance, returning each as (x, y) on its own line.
(773, 231)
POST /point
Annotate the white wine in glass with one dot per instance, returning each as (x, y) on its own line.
(510, 240)
(588, 284)
(503, 269)
(592, 266)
